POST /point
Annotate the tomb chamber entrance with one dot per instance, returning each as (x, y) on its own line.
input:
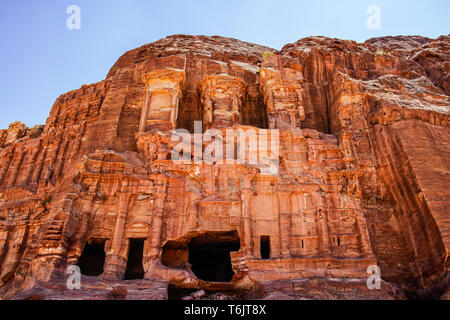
(209, 255)
(134, 268)
(92, 260)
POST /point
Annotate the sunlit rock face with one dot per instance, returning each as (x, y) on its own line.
(361, 141)
(281, 84)
(221, 98)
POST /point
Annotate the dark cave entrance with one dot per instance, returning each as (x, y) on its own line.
(265, 247)
(92, 260)
(209, 255)
(134, 269)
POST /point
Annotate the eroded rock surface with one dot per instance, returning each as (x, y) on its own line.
(362, 175)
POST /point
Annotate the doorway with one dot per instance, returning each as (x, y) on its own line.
(134, 269)
(92, 260)
(209, 255)
(265, 247)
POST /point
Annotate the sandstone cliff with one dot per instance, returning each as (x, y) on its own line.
(363, 177)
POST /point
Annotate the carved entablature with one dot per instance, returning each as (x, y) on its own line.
(222, 98)
(164, 89)
(282, 91)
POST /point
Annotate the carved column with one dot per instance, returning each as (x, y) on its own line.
(174, 110)
(157, 220)
(324, 235)
(322, 221)
(285, 223)
(281, 237)
(145, 108)
(246, 194)
(116, 258)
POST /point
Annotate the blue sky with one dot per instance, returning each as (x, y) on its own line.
(40, 58)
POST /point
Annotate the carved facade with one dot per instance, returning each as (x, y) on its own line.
(222, 99)
(281, 86)
(98, 188)
(164, 89)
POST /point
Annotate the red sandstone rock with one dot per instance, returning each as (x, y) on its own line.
(362, 180)
(15, 132)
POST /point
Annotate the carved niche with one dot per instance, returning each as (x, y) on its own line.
(164, 89)
(281, 87)
(222, 98)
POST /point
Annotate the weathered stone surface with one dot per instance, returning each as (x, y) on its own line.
(14, 133)
(363, 175)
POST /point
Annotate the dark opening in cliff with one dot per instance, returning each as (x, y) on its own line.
(209, 255)
(265, 247)
(135, 269)
(92, 259)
